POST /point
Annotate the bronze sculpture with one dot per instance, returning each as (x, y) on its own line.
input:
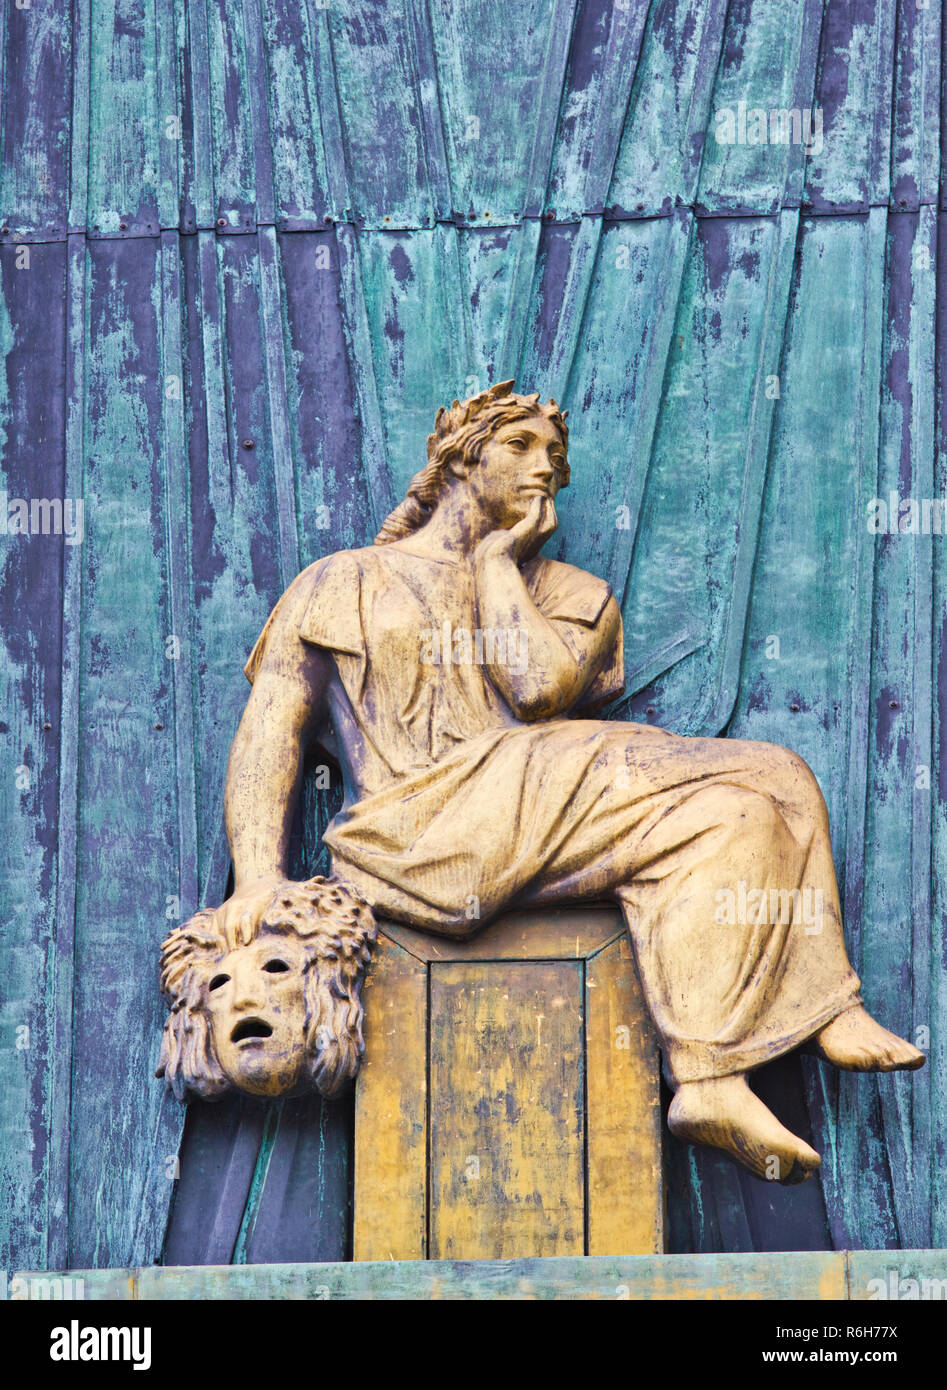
(459, 673)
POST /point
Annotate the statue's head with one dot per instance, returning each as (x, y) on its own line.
(267, 1002)
(505, 448)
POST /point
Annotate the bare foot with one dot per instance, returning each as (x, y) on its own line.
(725, 1113)
(854, 1041)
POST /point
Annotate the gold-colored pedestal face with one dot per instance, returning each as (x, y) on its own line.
(508, 1105)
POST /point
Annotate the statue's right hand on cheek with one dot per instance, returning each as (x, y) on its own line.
(523, 540)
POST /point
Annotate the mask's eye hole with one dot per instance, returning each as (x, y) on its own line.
(276, 967)
(217, 981)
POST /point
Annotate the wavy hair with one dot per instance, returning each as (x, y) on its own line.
(462, 431)
(338, 930)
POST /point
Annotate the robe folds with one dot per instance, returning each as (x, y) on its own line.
(717, 851)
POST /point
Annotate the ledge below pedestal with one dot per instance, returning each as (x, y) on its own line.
(903, 1275)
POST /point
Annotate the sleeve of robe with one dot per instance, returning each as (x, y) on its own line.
(574, 601)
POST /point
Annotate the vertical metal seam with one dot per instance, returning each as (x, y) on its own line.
(869, 427)
(69, 775)
(169, 1120)
(436, 157)
(257, 1187)
(689, 195)
(258, 84)
(80, 145)
(277, 404)
(614, 63)
(521, 298)
(219, 463)
(358, 335)
(555, 62)
(202, 126)
(754, 478)
(354, 312)
(676, 254)
(330, 114)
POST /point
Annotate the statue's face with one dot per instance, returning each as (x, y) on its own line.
(255, 1004)
(523, 460)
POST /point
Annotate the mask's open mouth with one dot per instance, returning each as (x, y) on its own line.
(249, 1028)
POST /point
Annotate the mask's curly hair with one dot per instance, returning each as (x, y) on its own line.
(338, 931)
(462, 432)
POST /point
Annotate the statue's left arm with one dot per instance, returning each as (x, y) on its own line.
(556, 674)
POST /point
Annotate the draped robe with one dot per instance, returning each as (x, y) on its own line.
(717, 851)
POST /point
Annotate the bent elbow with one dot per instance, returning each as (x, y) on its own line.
(531, 711)
(532, 699)
(532, 706)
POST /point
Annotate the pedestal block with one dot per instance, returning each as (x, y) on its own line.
(508, 1104)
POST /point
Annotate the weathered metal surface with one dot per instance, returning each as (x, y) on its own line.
(489, 1061)
(209, 385)
(540, 1016)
